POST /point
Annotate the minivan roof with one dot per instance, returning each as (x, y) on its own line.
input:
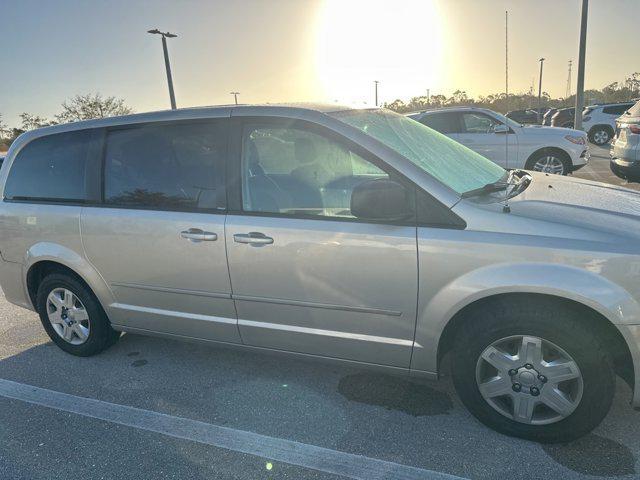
(293, 109)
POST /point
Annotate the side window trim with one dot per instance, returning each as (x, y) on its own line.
(223, 165)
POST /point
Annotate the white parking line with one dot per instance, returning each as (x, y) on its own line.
(287, 451)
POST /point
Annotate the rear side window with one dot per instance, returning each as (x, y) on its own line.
(51, 168)
(617, 109)
(442, 122)
(174, 167)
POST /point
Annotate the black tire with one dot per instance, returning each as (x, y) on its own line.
(553, 322)
(567, 167)
(600, 135)
(101, 335)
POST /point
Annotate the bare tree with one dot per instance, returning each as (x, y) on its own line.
(31, 122)
(86, 107)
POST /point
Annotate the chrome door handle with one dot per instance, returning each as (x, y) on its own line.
(198, 235)
(254, 238)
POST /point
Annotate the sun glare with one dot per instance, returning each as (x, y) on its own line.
(397, 43)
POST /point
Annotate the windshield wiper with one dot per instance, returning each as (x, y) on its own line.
(501, 184)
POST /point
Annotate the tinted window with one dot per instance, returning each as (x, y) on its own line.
(51, 168)
(442, 122)
(295, 171)
(473, 122)
(176, 166)
(617, 109)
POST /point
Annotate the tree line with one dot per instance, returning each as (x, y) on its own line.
(80, 107)
(624, 91)
(94, 105)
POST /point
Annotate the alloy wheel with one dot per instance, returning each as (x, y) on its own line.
(68, 316)
(529, 379)
(600, 137)
(549, 164)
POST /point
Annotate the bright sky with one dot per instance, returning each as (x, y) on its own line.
(300, 50)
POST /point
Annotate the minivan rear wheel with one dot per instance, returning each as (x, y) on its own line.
(72, 316)
(533, 370)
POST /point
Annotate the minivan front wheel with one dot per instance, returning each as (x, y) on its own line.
(533, 370)
(72, 316)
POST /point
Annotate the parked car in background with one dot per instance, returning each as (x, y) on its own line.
(356, 236)
(625, 146)
(599, 121)
(564, 117)
(546, 119)
(523, 116)
(508, 143)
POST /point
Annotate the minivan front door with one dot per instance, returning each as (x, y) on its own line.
(158, 240)
(307, 276)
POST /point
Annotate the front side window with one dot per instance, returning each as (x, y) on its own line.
(51, 168)
(176, 166)
(295, 171)
(453, 164)
(446, 122)
(474, 122)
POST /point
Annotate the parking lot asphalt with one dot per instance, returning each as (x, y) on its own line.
(155, 408)
(598, 169)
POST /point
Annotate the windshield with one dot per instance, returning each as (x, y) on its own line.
(453, 164)
(634, 110)
(507, 120)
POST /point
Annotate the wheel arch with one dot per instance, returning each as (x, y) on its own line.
(614, 341)
(45, 258)
(566, 157)
(604, 126)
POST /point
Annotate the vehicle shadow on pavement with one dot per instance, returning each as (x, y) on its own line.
(415, 423)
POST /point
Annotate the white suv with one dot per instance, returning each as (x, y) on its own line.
(599, 121)
(508, 143)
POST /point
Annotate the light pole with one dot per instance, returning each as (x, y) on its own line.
(166, 35)
(235, 96)
(540, 90)
(376, 82)
(577, 123)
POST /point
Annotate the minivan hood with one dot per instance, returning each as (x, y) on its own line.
(580, 203)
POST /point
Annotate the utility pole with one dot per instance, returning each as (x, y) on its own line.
(577, 123)
(376, 85)
(506, 57)
(568, 92)
(540, 90)
(428, 95)
(166, 35)
(235, 96)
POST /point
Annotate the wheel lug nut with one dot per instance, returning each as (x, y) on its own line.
(528, 366)
(535, 391)
(542, 378)
(516, 387)
(512, 372)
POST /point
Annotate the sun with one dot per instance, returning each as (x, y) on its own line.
(398, 43)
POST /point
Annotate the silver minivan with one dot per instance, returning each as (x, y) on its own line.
(357, 236)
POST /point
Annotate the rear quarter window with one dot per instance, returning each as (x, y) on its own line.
(50, 168)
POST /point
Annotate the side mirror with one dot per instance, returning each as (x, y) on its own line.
(381, 200)
(502, 128)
